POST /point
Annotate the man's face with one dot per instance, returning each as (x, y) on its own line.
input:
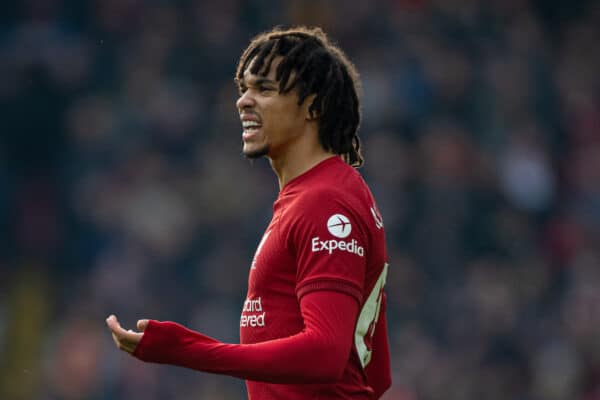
(271, 121)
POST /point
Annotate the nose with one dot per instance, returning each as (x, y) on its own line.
(245, 101)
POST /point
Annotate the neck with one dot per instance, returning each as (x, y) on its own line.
(300, 157)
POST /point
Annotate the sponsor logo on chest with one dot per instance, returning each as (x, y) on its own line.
(252, 314)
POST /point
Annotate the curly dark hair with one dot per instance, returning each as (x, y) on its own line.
(321, 69)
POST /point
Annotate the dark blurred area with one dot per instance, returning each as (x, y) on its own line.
(123, 189)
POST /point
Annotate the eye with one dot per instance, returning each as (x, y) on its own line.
(262, 88)
(242, 89)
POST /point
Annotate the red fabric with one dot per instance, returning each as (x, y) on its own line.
(324, 248)
(317, 354)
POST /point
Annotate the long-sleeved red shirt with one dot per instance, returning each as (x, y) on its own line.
(317, 354)
(313, 324)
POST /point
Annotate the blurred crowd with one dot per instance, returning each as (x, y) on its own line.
(123, 189)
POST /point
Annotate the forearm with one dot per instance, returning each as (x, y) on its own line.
(324, 346)
(273, 361)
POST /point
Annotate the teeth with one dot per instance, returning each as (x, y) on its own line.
(250, 124)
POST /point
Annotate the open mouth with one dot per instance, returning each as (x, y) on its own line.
(250, 127)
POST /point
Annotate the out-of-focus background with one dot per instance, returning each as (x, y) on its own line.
(123, 189)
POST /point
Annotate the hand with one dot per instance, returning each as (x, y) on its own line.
(126, 340)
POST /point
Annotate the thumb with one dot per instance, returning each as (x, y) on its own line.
(142, 324)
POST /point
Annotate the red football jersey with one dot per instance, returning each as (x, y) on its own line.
(326, 234)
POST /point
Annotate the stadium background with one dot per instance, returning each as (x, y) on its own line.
(122, 189)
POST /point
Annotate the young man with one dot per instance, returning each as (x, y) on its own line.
(313, 324)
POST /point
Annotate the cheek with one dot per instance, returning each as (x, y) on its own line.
(282, 118)
(290, 114)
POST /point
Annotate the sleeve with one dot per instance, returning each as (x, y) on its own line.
(329, 243)
(317, 354)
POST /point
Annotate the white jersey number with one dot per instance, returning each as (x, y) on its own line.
(367, 320)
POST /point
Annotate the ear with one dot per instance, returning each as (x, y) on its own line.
(308, 102)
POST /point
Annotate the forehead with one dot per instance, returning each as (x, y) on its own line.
(248, 76)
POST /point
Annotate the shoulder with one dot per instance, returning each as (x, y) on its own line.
(320, 206)
(337, 188)
(321, 199)
(321, 191)
(337, 180)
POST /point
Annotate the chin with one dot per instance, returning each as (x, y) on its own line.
(256, 153)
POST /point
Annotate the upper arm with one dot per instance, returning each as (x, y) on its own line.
(329, 243)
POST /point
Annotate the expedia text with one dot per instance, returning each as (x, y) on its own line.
(331, 245)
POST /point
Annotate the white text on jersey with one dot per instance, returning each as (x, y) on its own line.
(253, 314)
(331, 245)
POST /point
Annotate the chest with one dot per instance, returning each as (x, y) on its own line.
(273, 267)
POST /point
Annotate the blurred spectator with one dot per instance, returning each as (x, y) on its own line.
(122, 188)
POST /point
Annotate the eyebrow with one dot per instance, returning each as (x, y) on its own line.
(257, 81)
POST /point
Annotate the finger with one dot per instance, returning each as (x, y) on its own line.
(125, 338)
(115, 326)
(123, 344)
(127, 342)
(112, 322)
(142, 324)
(116, 340)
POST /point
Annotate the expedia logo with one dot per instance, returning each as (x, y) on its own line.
(331, 245)
(339, 226)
